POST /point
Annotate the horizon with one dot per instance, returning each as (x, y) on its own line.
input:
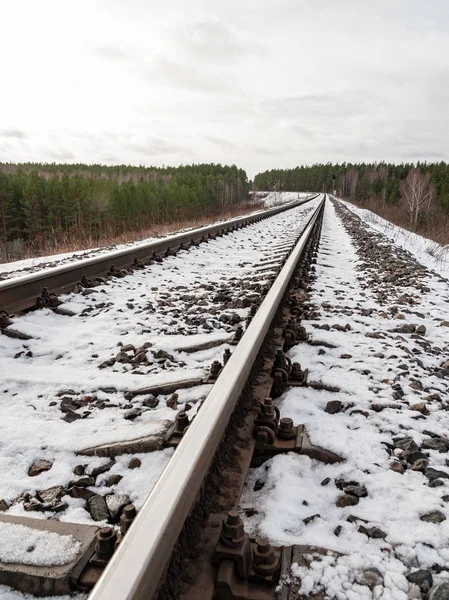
(266, 86)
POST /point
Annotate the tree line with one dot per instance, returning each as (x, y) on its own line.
(419, 188)
(94, 201)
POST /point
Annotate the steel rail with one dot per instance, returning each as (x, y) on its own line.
(137, 566)
(20, 293)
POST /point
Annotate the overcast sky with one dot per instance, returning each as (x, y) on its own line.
(258, 83)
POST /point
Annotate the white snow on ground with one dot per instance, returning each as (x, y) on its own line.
(364, 369)
(6, 593)
(31, 265)
(429, 253)
(169, 306)
(278, 198)
(24, 545)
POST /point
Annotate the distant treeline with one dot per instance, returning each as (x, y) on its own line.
(360, 182)
(94, 201)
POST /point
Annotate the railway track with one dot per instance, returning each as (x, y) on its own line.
(172, 516)
(23, 292)
(307, 463)
(34, 578)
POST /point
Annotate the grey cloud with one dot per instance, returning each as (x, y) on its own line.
(13, 133)
(212, 40)
(110, 51)
(185, 75)
(154, 146)
(60, 154)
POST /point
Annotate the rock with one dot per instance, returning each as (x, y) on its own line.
(347, 500)
(421, 578)
(440, 444)
(69, 404)
(397, 467)
(373, 532)
(151, 402)
(115, 503)
(370, 577)
(439, 591)
(414, 456)
(134, 463)
(161, 354)
(325, 481)
(308, 520)
(436, 483)
(420, 465)
(333, 407)
(258, 485)
(436, 516)
(380, 407)
(80, 492)
(132, 414)
(345, 356)
(3, 506)
(113, 479)
(83, 482)
(97, 508)
(102, 469)
(172, 402)
(356, 490)
(39, 466)
(435, 474)
(420, 407)
(79, 470)
(51, 494)
(122, 357)
(338, 530)
(407, 443)
(421, 330)
(71, 416)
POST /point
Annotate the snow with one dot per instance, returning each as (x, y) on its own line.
(6, 593)
(170, 307)
(294, 486)
(429, 253)
(24, 545)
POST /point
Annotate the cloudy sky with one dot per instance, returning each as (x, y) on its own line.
(258, 83)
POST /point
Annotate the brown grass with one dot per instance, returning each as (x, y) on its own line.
(434, 225)
(19, 249)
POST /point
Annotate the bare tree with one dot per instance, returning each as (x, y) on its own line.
(417, 194)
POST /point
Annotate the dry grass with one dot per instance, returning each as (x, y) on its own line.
(434, 225)
(19, 249)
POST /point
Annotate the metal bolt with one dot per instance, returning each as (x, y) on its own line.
(238, 333)
(279, 359)
(215, 369)
(105, 543)
(181, 422)
(226, 355)
(267, 409)
(296, 372)
(265, 561)
(128, 515)
(286, 430)
(232, 531)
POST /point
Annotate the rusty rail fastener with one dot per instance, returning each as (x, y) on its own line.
(105, 543)
(265, 562)
(128, 515)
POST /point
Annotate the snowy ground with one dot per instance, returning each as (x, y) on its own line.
(383, 322)
(429, 253)
(64, 389)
